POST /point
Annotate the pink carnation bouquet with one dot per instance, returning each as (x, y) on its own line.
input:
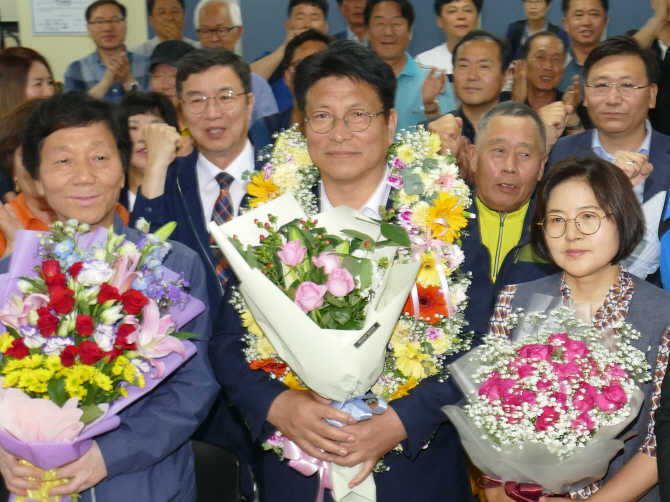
(546, 409)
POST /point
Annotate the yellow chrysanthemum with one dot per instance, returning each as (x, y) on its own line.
(264, 348)
(262, 191)
(5, 342)
(121, 361)
(129, 373)
(249, 322)
(302, 158)
(52, 363)
(286, 177)
(140, 381)
(407, 200)
(103, 381)
(403, 390)
(123, 392)
(405, 154)
(447, 208)
(441, 344)
(11, 379)
(281, 141)
(38, 388)
(410, 361)
(79, 392)
(434, 143)
(43, 375)
(420, 215)
(12, 365)
(292, 382)
(428, 274)
(28, 378)
(400, 333)
(32, 362)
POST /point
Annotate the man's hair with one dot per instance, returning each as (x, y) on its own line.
(565, 6)
(95, 5)
(233, 8)
(200, 60)
(544, 33)
(346, 59)
(11, 127)
(479, 5)
(624, 46)
(513, 109)
(151, 3)
(148, 102)
(406, 9)
(613, 191)
(321, 4)
(487, 36)
(310, 35)
(63, 111)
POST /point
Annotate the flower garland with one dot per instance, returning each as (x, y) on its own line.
(429, 201)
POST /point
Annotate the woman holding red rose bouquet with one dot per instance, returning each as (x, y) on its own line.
(77, 152)
(587, 220)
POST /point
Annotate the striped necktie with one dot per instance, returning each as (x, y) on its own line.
(223, 211)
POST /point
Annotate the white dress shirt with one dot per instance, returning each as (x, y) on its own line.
(371, 207)
(209, 188)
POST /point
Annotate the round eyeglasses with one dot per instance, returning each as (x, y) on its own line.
(356, 120)
(587, 222)
(225, 100)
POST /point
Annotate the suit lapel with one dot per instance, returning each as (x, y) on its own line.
(659, 157)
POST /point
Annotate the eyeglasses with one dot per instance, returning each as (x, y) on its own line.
(99, 23)
(225, 99)
(221, 32)
(356, 120)
(534, 1)
(626, 89)
(587, 222)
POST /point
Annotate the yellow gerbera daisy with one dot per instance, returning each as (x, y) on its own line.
(292, 382)
(262, 191)
(410, 360)
(448, 209)
(428, 274)
(434, 143)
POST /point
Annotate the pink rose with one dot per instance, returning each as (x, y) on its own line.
(585, 397)
(616, 371)
(526, 370)
(558, 339)
(561, 399)
(490, 388)
(547, 419)
(328, 261)
(583, 422)
(513, 410)
(573, 349)
(529, 397)
(568, 371)
(309, 296)
(536, 351)
(292, 253)
(340, 283)
(508, 389)
(611, 398)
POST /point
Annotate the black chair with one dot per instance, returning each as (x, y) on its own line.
(217, 473)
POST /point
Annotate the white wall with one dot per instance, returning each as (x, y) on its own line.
(61, 50)
(9, 10)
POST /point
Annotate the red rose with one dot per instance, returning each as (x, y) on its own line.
(18, 350)
(47, 323)
(75, 269)
(50, 267)
(107, 293)
(84, 325)
(112, 354)
(62, 301)
(133, 301)
(90, 353)
(124, 331)
(68, 356)
(55, 283)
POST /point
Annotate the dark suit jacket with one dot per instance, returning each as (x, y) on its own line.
(659, 157)
(438, 468)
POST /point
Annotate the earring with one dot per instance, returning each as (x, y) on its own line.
(17, 188)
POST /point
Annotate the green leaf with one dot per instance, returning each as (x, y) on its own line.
(396, 234)
(334, 300)
(184, 335)
(366, 273)
(250, 257)
(56, 391)
(352, 264)
(413, 184)
(429, 164)
(166, 230)
(307, 238)
(352, 324)
(38, 284)
(358, 235)
(341, 314)
(427, 348)
(91, 412)
(13, 332)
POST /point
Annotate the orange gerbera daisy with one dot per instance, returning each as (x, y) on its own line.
(262, 191)
(448, 209)
(269, 366)
(431, 303)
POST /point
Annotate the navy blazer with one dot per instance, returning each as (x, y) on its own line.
(659, 157)
(519, 266)
(441, 466)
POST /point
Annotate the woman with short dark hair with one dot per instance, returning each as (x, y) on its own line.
(586, 221)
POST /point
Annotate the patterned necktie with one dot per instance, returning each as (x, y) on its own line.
(223, 211)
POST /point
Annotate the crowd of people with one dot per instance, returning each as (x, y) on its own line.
(545, 120)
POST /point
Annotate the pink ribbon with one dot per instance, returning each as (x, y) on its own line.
(420, 245)
(307, 466)
(520, 492)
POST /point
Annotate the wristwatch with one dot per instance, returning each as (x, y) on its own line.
(434, 110)
(134, 87)
(574, 127)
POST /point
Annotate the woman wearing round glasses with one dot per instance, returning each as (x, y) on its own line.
(587, 220)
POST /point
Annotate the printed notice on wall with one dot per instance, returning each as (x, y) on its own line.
(59, 17)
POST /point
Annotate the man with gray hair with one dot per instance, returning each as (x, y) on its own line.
(218, 23)
(507, 161)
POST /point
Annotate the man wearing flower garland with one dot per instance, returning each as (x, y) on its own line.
(347, 94)
(77, 151)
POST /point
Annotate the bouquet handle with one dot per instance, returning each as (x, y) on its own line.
(521, 492)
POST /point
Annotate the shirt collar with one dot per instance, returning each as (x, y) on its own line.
(208, 171)
(410, 69)
(600, 151)
(371, 207)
